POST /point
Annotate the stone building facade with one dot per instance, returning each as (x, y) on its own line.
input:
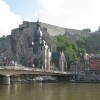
(39, 55)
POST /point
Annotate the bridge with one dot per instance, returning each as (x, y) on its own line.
(7, 71)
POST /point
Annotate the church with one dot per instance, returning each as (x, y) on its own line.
(40, 55)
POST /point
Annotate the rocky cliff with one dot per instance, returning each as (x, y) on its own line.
(17, 45)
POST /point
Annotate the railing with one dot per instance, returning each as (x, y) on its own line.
(33, 69)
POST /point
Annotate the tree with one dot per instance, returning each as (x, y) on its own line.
(69, 48)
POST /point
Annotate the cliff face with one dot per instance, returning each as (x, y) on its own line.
(21, 39)
(17, 45)
(5, 48)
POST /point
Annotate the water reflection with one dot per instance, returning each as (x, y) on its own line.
(50, 91)
(4, 90)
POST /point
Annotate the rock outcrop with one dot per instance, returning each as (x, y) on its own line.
(17, 45)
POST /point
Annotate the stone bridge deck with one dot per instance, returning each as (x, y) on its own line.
(7, 71)
(13, 70)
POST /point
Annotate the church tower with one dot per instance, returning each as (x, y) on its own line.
(41, 51)
(37, 37)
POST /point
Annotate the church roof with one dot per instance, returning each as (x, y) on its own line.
(56, 55)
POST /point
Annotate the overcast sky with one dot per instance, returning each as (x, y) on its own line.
(76, 14)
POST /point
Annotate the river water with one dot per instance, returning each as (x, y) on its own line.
(50, 91)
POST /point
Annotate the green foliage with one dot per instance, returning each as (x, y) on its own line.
(90, 44)
(2, 38)
(75, 50)
(86, 30)
(69, 48)
(50, 41)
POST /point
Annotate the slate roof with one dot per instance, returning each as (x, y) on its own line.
(56, 55)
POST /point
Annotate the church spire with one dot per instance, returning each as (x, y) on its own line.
(38, 33)
(38, 23)
(38, 17)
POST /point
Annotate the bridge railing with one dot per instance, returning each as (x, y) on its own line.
(33, 69)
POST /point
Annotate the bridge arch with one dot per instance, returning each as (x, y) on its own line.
(4, 79)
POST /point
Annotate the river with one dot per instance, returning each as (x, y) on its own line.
(50, 91)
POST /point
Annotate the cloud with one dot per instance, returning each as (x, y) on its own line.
(8, 20)
(77, 14)
(50, 11)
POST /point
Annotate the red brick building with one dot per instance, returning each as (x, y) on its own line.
(94, 63)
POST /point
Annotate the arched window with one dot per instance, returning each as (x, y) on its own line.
(35, 62)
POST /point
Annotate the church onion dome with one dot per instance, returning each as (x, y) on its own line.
(38, 30)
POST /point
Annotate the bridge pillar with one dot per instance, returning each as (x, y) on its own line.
(6, 80)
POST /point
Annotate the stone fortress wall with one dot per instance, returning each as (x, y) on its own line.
(56, 30)
(51, 29)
